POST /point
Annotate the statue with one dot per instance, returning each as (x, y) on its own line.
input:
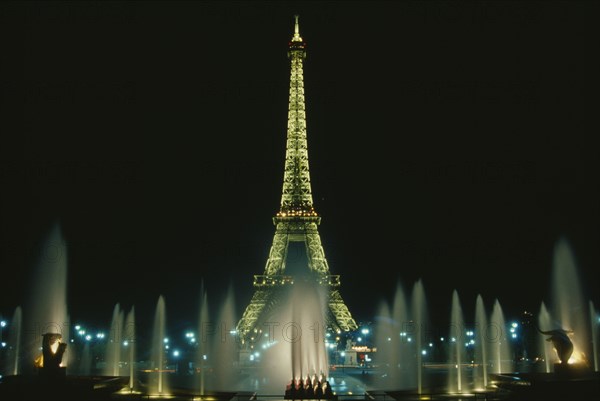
(52, 353)
(561, 342)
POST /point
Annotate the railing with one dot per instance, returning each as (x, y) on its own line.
(262, 280)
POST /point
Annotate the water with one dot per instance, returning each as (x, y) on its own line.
(113, 348)
(292, 344)
(419, 316)
(224, 346)
(568, 305)
(85, 365)
(544, 323)
(158, 381)
(14, 341)
(390, 339)
(457, 349)
(594, 320)
(500, 351)
(48, 309)
(203, 324)
(481, 359)
(129, 342)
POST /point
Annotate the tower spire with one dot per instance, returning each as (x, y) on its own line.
(296, 37)
(296, 197)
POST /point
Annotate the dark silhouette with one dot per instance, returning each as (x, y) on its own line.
(561, 342)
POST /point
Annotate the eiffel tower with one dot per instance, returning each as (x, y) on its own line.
(296, 221)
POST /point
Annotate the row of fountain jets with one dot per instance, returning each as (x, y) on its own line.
(492, 349)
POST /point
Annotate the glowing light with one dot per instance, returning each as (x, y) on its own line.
(359, 339)
(166, 341)
(81, 332)
(54, 346)
(3, 344)
(125, 343)
(78, 327)
(251, 357)
(3, 323)
(453, 339)
(256, 354)
(441, 338)
(176, 353)
(515, 325)
(431, 344)
(389, 339)
(365, 331)
(189, 334)
(342, 353)
(514, 335)
(409, 339)
(100, 335)
(424, 352)
(88, 338)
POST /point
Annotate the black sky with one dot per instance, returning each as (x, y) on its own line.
(451, 142)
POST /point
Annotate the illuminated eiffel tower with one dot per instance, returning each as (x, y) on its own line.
(296, 222)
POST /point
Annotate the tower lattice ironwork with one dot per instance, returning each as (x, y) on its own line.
(296, 221)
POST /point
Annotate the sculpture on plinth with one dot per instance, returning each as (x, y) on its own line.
(561, 342)
(52, 353)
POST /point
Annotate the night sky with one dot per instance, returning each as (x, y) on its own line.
(451, 142)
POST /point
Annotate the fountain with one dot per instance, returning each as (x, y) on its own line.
(544, 320)
(113, 349)
(224, 347)
(203, 323)
(129, 342)
(158, 385)
(390, 338)
(594, 320)
(568, 305)
(400, 332)
(419, 314)
(85, 366)
(481, 358)
(499, 345)
(48, 308)
(14, 339)
(456, 354)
